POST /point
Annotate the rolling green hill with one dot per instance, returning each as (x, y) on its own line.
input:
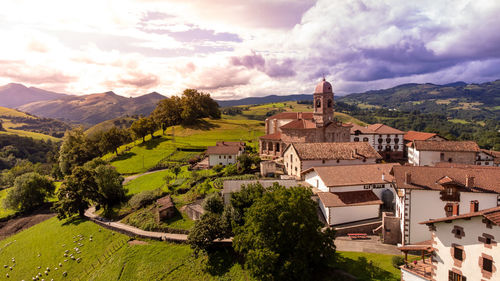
(16, 122)
(120, 122)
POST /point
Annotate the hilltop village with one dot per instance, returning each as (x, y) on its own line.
(416, 190)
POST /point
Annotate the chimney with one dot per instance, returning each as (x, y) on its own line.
(300, 115)
(407, 177)
(383, 176)
(469, 181)
(455, 209)
(474, 206)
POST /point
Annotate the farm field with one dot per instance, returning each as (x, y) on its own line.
(10, 127)
(107, 257)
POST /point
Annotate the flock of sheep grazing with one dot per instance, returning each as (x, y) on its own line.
(69, 255)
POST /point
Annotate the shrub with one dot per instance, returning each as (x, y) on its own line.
(398, 261)
(145, 198)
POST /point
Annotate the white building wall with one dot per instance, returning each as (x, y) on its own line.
(473, 249)
(340, 215)
(221, 159)
(426, 204)
(325, 211)
(313, 179)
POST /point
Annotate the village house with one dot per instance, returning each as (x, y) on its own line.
(428, 153)
(412, 136)
(433, 192)
(224, 153)
(488, 158)
(464, 247)
(285, 128)
(387, 141)
(299, 157)
(352, 193)
(231, 186)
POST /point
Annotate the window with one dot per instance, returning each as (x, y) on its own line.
(229, 157)
(441, 156)
(486, 163)
(458, 253)
(330, 103)
(318, 103)
(452, 276)
(338, 160)
(448, 209)
(277, 147)
(365, 139)
(356, 139)
(388, 140)
(323, 161)
(295, 169)
(220, 157)
(396, 147)
(487, 241)
(380, 140)
(366, 186)
(396, 140)
(449, 191)
(487, 265)
(380, 147)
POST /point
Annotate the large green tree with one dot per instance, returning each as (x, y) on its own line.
(109, 184)
(111, 140)
(30, 191)
(142, 127)
(281, 237)
(76, 193)
(167, 113)
(76, 150)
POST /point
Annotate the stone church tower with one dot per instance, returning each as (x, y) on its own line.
(323, 104)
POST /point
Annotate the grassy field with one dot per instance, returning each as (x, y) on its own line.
(369, 266)
(10, 128)
(147, 182)
(3, 211)
(106, 257)
(144, 156)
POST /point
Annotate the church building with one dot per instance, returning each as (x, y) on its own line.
(318, 126)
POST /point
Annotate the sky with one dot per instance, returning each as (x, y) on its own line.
(240, 48)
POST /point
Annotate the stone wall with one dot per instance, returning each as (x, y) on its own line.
(391, 230)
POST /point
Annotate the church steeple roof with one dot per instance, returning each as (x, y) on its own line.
(323, 87)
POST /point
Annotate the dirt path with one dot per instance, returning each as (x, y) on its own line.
(13, 226)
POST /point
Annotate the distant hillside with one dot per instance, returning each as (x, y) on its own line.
(14, 95)
(263, 100)
(94, 108)
(15, 122)
(458, 101)
(120, 122)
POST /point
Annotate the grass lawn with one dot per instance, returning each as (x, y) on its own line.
(107, 257)
(3, 211)
(144, 156)
(147, 182)
(459, 121)
(370, 266)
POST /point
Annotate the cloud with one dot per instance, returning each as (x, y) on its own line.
(273, 67)
(19, 71)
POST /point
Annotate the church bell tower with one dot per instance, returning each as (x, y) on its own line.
(323, 104)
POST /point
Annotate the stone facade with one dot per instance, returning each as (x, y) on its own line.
(304, 127)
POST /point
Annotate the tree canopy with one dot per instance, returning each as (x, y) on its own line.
(76, 150)
(29, 192)
(281, 237)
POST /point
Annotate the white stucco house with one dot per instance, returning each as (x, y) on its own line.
(299, 157)
(424, 193)
(224, 153)
(352, 193)
(429, 153)
(465, 246)
(387, 141)
(487, 158)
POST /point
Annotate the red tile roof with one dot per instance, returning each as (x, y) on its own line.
(292, 115)
(230, 143)
(299, 124)
(349, 175)
(349, 198)
(384, 129)
(414, 135)
(223, 150)
(335, 150)
(455, 146)
(362, 129)
(492, 214)
(275, 136)
(486, 179)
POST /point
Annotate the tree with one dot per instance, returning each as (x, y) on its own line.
(167, 113)
(213, 203)
(140, 128)
(112, 139)
(75, 150)
(109, 184)
(76, 193)
(196, 105)
(29, 192)
(244, 199)
(246, 161)
(282, 238)
(1, 126)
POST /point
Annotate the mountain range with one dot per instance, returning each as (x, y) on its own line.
(477, 99)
